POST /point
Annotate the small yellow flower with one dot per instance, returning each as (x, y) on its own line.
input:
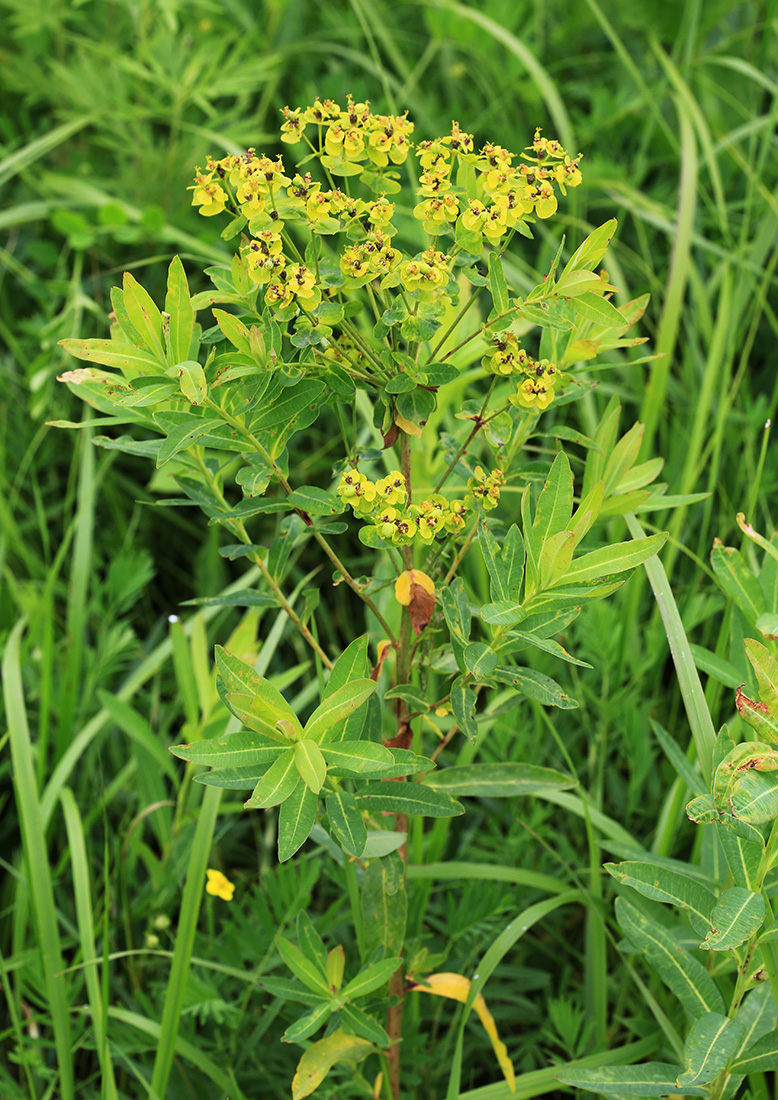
(219, 885)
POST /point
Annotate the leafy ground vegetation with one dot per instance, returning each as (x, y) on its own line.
(121, 976)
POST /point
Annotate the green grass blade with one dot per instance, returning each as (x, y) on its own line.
(688, 678)
(194, 888)
(37, 861)
(82, 892)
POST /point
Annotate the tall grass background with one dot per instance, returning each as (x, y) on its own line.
(119, 977)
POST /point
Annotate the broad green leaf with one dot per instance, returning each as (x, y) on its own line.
(288, 989)
(277, 784)
(364, 1025)
(358, 757)
(604, 437)
(591, 251)
(463, 704)
(191, 381)
(380, 842)
(384, 904)
(235, 331)
(346, 824)
(308, 1024)
(736, 917)
(756, 715)
(648, 1079)
(250, 711)
(417, 405)
(737, 580)
(743, 856)
(504, 780)
(233, 750)
(236, 779)
(311, 943)
(758, 1014)
(144, 315)
(687, 978)
(112, 353)
(178, 306)
(754, 797)
(668, 886)
(762, 1057)
(408, 798)
(456, 609)
(310, 764)
(315, 501)
(318, 1060)
(351, 665)
(411, 694)
(597, 309)
(503, 613)
(512, 563)
(535, 686)
(622, 458)
(308, 972)
(148, 392)
(766, 668)
(404, 763)
(554, 507)
(555, 558)
(480, 660)
(295, 821)
(491, 551)
(497, 285)
(614, 559)
(190, 433)
(241, 678)
(337, 707)
(710, 1044)
(370, 979)
(639, 476)
(292, 401)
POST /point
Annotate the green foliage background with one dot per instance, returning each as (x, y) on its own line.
(105, 109)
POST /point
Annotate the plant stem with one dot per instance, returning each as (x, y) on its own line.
(477, 425)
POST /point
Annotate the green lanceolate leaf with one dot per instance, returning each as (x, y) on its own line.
(232, 750)
(357, 757)
(736, 917)
(370, 979)
(235, 779)
(535, 686)
(363, 1025)
(762, 1057)
(555, 558)
(240, 678)
(648, 1079)
(480, 660)
(766, 668)
(591, 251)
(277, 784)
(504, 780)
(288, 404)
(311, 943)
(351, 665)
(587, 512)
(310, 973)
(687, 978)
(743, 855)
(710, 1044)
(337, 707)
(456, 609)
(497, 285)
(463, 704)
(408, 798)
(319, 1059)
(521, 640)
(613, 559)
(251, 712)
(737, 580)
(598, 310)
(310, 764)
(308, 1024)
(295, 821)
(756, 715)
(411, 694)
(144, 315)
(668, 886)
(178, 306)
(404, 763)
(491, 551)
(503, 613)
(113, 353)
(346, 824)
(555, 505)
(315, 501)
(384, 904)
(754, 796)
(759, 1015)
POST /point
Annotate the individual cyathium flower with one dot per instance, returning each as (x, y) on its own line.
(392, 489)
(357, 490)
(293, 126)
(427, 274)
(209, 195)
(533, 393)
(438, 213)
(485, 488)
(506, 357)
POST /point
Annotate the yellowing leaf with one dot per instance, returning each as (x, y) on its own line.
(407, 425)
(404, 583)
(319, 1059)
(457, 988)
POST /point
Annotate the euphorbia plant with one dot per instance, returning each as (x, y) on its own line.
(354, 291)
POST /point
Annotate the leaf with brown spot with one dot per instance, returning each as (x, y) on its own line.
(421, 607)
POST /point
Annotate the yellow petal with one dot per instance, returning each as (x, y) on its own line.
(402, 586)
(219, 885)
(457, 988)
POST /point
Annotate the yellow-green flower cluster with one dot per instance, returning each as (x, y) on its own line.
(485, 488)
(355, 134)
(536, 389)
(504, 193)
(384, 504)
